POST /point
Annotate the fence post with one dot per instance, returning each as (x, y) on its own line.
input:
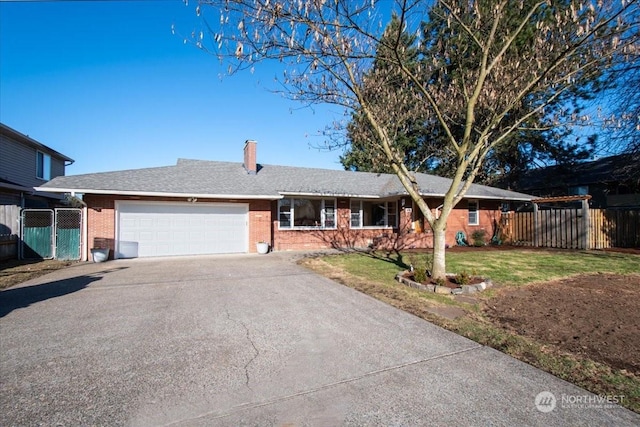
(536, 224)
(586, 224)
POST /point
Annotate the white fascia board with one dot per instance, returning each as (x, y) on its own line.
(517, 199)
(157, 194)
(359, 196)
(474, 197)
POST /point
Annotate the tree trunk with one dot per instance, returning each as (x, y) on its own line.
(439, 246)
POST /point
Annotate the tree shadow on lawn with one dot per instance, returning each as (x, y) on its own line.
(22, 297)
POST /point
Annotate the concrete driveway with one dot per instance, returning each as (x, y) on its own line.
(252, 340)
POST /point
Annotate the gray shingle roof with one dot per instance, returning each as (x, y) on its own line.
(209, 178)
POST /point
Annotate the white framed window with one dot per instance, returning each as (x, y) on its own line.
(43, 166)
(374, 214)
(306, 213)
(474, 218)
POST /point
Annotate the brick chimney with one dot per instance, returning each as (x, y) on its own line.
(250, 164)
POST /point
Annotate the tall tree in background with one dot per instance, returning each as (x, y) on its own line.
(495, 66)
(425, 147)
(409, 129)
(624, 136)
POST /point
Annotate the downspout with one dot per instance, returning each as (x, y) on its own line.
(20, 241)
(438, 210)
(85, 232)
(85, 228)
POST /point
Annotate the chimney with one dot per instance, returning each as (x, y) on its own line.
(250, 164)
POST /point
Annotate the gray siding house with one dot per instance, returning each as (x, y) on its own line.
(24, 164)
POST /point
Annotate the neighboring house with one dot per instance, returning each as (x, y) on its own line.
(25, 164)
(204, 207)
(612, 182)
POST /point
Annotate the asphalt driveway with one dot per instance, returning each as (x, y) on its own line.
(252, 340)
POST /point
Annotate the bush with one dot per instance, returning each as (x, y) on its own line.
(420, 264)
(463, 278)
(478, 237)
(419, 275)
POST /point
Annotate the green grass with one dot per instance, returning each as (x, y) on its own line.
(511, 267)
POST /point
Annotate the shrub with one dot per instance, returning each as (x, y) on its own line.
(463, 278)
(419, 266)
(478, 237)
(419, 275)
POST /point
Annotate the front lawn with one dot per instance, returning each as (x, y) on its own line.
(584, 304)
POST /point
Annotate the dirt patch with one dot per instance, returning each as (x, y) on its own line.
(597, 316)
(13, 272)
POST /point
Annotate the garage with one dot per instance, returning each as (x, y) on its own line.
(148, 229)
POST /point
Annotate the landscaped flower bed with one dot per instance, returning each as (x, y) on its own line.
(450, 286)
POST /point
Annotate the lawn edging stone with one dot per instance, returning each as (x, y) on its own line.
(464, 289)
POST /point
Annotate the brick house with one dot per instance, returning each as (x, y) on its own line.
(205, 207)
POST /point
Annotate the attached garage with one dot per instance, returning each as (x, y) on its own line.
(148, 229)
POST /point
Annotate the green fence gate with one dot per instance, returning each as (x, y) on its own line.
(51, 233)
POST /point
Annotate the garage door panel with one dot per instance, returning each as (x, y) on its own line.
(162, 229)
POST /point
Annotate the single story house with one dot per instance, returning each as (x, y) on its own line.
(207, 207)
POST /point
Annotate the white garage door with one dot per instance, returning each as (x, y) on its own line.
(161, 229)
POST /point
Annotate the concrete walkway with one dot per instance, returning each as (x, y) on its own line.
(257, 341)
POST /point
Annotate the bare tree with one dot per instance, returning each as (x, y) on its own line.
(492, 66)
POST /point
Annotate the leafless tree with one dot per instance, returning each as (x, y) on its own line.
(488, 58)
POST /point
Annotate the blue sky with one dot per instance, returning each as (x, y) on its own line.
(108, 84)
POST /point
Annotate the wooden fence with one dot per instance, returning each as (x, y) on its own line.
(570, 228)
(614, 228)
(9, 230)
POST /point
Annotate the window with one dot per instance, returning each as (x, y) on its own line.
(305, 213)
(473, 212)
(43, 166)
(580, 190)
(373, 214)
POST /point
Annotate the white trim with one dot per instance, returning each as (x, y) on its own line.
(280, 195)
(322, 214)
(158, 194)
(328, 195)
(477, 212)
(386, 214)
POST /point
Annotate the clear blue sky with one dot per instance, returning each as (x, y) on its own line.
(108, 84)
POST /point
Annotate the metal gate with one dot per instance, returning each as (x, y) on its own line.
(51, 233)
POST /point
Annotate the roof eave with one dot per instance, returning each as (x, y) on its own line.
(473, 196)
(158, 193)
(326, 194)
(12, 133)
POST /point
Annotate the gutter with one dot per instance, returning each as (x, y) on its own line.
(281, 194)
(361, 196)
(156, 194)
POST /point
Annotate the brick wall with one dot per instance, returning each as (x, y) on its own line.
(263, 226)
(488, 212)
(101, 221)
(259, 223)
(413, 231)
(402, 237)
